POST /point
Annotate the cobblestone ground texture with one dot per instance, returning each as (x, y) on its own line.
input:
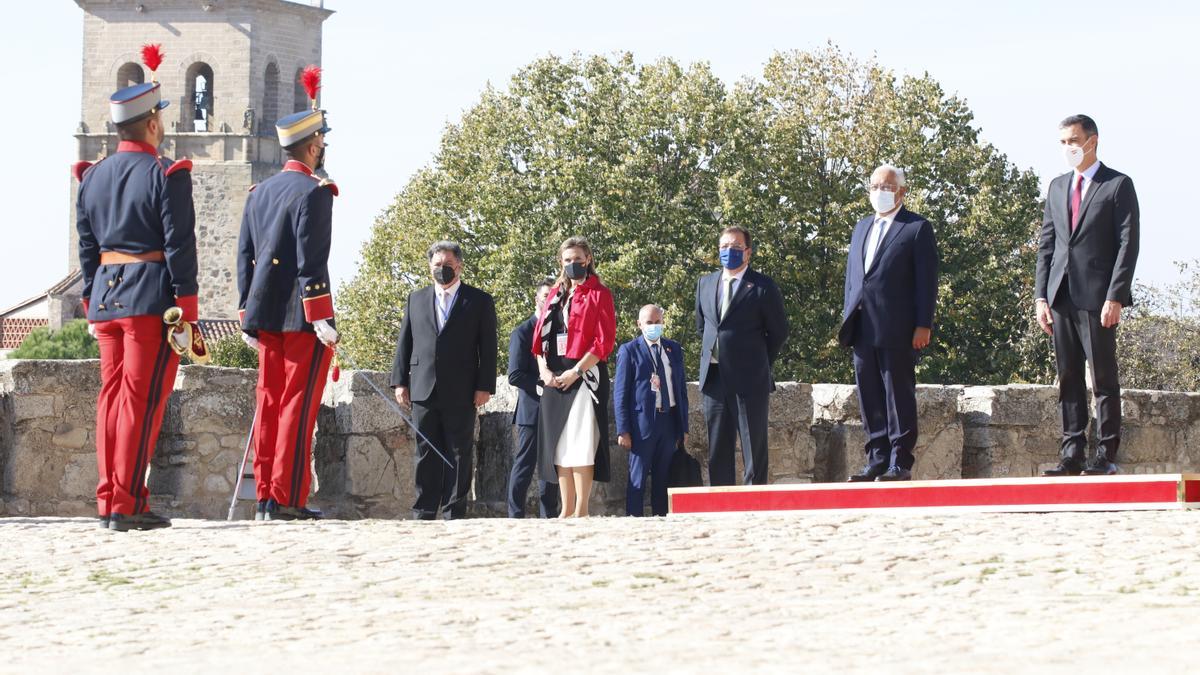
(988, 593)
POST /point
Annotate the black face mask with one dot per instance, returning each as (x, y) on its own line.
(444, 275)
(575, 271)
(321, 160)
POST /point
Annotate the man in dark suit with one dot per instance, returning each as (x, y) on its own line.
(650, 401)
(1086, 257)
(740, 314)
(445, 368)
(523, 374)
(891, 290)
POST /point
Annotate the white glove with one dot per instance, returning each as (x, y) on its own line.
(180, 338)
(250, 340)
(325, 333)
(92, 330)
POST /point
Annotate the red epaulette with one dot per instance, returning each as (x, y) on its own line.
(325, 182)
(78, 169)
(179, 165)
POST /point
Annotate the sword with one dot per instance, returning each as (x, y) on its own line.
(396, 407)
(237, 488)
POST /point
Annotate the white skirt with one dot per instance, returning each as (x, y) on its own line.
(580, 437)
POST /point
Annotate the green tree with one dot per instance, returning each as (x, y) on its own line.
(71, 342)
(649, 162)
(231, 352)
(1158, 343)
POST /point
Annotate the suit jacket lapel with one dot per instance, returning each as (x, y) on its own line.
(460, 305)
(1060, 199)
(709, 296)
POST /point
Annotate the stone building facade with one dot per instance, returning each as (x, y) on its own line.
(230, 71)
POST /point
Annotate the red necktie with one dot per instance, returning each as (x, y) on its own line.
(1075, 199)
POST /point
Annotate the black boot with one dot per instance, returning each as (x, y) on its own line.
(142, 521)
(275, 511)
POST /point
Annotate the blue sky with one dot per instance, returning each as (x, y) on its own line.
(411, 68)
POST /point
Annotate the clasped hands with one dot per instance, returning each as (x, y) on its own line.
(560, 382)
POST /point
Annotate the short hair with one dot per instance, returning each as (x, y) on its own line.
(134, 130)
(545, 282)
(738, 229)
(1086, 123)
(445, 245)
(901, 179)
(296, 150)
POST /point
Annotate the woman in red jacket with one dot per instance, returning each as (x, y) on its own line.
(573, 337)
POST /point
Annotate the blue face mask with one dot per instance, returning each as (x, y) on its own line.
(652, 331)
(732, 258)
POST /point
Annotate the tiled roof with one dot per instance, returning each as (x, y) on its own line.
(217, 329)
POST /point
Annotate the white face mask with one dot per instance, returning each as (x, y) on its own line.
(1073, 154)
(883, 201)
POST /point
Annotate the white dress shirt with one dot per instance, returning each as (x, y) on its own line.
(876, 235)
(1088, 176)
(726, 275)
(666, 374)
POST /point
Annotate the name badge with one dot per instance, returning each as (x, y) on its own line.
(654, 383)
(561, 342)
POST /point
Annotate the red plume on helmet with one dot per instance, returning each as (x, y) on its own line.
(310, 78)
(152, 56)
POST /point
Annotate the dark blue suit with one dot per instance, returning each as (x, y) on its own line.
(883, 306)
(283, 252)
(655, 434)
(137, 202)
(738, 388)
(523, 374)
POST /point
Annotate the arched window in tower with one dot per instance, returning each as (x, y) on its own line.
(270, 104)
(129, 75)
(301, 98)
(198, 105)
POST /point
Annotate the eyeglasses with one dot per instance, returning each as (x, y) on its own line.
(885, 187)
(732, 247)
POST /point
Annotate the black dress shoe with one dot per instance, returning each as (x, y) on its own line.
(894, 473)
(260, 510)
(275, 511)
(866, 475)
(103, 522)
(1066, 467)
(1099, 467)
(142, 521)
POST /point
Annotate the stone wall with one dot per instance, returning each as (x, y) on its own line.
(363, 458)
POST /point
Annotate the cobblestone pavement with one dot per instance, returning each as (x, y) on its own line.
(980, 593)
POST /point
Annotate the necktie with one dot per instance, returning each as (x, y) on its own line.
(444, 310)
(660, 371)
(1076, 197)
(727, 297)
(873, 245)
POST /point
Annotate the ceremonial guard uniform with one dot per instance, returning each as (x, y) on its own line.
(286, 311)
(137, 253)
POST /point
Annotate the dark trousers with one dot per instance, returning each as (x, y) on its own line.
(521, 475)
(441, 489)
(887, 399)
(729, 417)
(650, 460)
(1078, 336)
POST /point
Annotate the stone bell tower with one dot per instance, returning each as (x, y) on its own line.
(230, 70)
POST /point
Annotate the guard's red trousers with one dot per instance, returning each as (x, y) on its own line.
(291, 378)
(137, 373)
